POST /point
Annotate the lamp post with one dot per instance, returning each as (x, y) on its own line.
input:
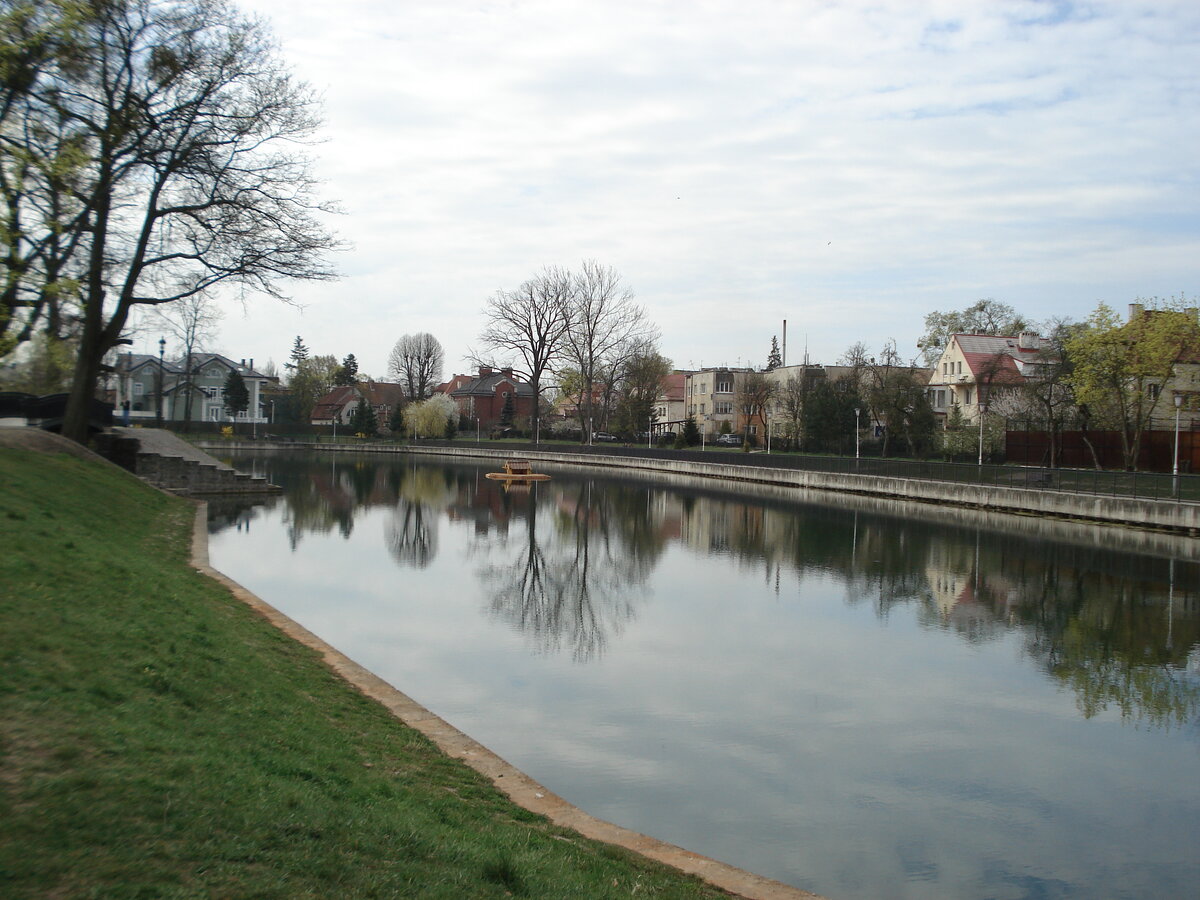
(982, 413)
(1178, 398)
(857, 412)
(158, 407)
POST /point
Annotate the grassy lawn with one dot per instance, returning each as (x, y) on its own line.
(157, 739)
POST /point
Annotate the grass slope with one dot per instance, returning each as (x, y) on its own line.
(157, 739)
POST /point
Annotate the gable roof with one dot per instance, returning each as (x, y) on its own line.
(486, 385)
(131, 362)
(1002, 358)
(673, 386)
(382, 393)
(376, 393)
(449, 387)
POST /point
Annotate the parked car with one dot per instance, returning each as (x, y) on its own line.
(603, 436)
(729, 440)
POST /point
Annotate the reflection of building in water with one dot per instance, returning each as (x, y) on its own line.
(974, 605)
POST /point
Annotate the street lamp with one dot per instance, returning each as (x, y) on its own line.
(857, 412)
(982, 413)
(1175, 468)
(158, 407)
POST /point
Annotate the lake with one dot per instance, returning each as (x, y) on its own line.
(862, 698)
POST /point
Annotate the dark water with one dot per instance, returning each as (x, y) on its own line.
(866, 700)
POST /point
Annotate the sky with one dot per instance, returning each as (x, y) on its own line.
(847, 167)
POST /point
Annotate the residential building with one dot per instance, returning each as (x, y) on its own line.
(710, 396)
(482, 399)
(974, 367)
(339, 404)
(1184, 381)
(147, 385)
(670, 407)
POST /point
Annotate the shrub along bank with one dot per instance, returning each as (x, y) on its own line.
(159, 739)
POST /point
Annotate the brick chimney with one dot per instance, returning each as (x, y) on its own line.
(507, 372)
(485, 371)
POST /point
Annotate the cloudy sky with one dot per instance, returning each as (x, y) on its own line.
(846, 166)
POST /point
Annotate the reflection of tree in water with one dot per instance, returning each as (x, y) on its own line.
(411, 533)
(1117, 642)
(319, 504)
(576, 592)
(1116, 628)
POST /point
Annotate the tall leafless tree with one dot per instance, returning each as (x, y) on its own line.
(184, 171)
(530, 324)
(607, 328)
(417, 361)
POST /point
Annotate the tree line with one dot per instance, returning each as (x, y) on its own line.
(585, 329)
(1103, 373)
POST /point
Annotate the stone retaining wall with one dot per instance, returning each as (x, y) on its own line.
(1135, 512)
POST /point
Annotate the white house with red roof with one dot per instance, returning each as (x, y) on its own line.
(975, 367)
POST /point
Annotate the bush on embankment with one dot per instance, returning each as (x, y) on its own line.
(159, 739)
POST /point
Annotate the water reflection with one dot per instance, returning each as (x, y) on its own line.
(580, 593)
(567, 564)
(861, 698)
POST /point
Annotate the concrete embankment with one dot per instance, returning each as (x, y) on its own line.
(1163, 515)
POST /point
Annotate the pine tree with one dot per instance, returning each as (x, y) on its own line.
(691, 433)
(237, 397)
(774, 359)
(299, 355)
(363, 420)
(347, 373)
(508, 411)
(396, 420)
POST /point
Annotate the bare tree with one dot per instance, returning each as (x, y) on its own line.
(606, 329)
(182, 127)
(193, 322)
(895, 393)
(417, 361)
(792, 397)
(755, 393)
(530, 324)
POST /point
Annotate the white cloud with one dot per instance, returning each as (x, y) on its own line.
(844, 165)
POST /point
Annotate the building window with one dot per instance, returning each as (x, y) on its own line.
(138, 388)
(1153, 390)
(723, 407)
(701, 409)
(724, 387)
(967, 397)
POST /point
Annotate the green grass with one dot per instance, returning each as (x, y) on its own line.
(158, 739)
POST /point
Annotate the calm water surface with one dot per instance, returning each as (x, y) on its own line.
(881, 702)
